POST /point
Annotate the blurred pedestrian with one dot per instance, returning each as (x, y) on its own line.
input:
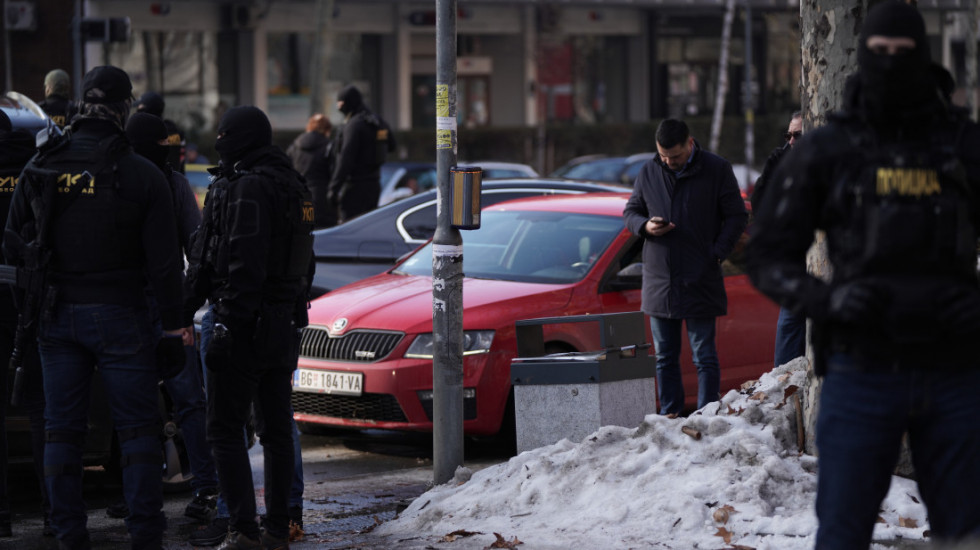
(57, 93)
(687, 208)
(153, 103)
(790, 328)
(362, 145)
(313, 156)
(148, 136)
(892, 182)
(194, 156)
(252, 259)
(109, 218)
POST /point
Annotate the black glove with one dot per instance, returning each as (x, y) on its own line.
(857, 302)
(218, 355)
(170, 356)
(960, 308)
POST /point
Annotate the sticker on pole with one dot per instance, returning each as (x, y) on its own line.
(444, 133)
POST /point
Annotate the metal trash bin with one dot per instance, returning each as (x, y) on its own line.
(571, 395)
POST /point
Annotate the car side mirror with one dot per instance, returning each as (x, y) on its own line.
(628, 278)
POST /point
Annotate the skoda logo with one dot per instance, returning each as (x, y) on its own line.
(339, 325)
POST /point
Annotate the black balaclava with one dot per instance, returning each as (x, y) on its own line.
(151, 102)
(352, 99)
(894, 83)
(145, 132)
(242, 130)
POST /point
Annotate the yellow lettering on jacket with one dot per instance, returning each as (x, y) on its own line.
(8, 183)
(307, 212)
(59, 120)
(67, 181)
(173, 139)
(908, 182)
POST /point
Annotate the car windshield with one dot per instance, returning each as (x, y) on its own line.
(534, 247)
(602, 170)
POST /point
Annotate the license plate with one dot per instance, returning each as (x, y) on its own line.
(327, 381)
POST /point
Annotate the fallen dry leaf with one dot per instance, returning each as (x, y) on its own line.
(458, 534)
(501, 542)
(748, 384)
(758, 396)
(915, 500)
(790, 390)
(295, 532)
(742, 547)
(907, 522)
(725, 534)
(783, 377)
(880, 520)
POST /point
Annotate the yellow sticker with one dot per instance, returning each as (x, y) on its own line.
(444, 139)
(442, 100)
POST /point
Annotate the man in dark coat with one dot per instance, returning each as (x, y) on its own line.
(252, 259)
(687, 207)
(313, 157)
(893, 181)
(364, 141)
(112, 234)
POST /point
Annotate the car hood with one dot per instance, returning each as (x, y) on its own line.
(404, 303)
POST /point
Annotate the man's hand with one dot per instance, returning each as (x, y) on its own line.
(658, 227)
(856, 302)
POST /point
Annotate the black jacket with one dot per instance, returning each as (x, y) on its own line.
(114, 235)
(682, 275)
(359, 158)
(898, 201)
(253, 247)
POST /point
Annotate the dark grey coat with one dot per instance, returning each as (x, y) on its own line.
(682, 275)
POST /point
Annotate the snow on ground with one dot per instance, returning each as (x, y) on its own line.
(742, 484)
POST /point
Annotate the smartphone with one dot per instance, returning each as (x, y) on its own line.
(657, 220)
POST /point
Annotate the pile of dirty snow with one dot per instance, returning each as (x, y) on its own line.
(730, 475)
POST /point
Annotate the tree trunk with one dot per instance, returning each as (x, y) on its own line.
(722, 91)
(829, 35)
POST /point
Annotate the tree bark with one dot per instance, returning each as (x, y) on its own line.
(829, 35)
(722, 91)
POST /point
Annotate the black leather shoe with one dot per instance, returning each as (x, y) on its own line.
(203, 506)
(212, 535)
(118, 510)
(238, 541)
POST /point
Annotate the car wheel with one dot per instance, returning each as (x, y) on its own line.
(176, 467)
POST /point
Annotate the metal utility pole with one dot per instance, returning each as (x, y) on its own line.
(447, 266)
(77, 45)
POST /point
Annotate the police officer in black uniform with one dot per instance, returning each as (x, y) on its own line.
(56, 103)
(16, 149)
(252, 259)
(894, 181)
(362, 145)
(152, 103)
(111, 229)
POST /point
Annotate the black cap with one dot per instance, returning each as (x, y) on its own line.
(151, 102)
(106, 84)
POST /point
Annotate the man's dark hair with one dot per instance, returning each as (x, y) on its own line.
(672, 132)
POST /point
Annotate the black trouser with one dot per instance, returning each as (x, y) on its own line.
(231, 394)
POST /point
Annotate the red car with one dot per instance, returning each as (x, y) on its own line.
(366, 358)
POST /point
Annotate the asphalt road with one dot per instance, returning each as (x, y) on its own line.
(353, 481)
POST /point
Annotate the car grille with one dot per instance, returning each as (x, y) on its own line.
(370, 406)
(363, 346)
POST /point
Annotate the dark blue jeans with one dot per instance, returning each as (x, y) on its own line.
(790, 337)
(667, 341)
(121, 341)
(863, 414)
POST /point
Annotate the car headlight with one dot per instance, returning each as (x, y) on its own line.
(474, 342)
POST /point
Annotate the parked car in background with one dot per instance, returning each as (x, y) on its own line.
(373, 242)
(24, 114)
(366, 356)
(404, 179)
(622, 170)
